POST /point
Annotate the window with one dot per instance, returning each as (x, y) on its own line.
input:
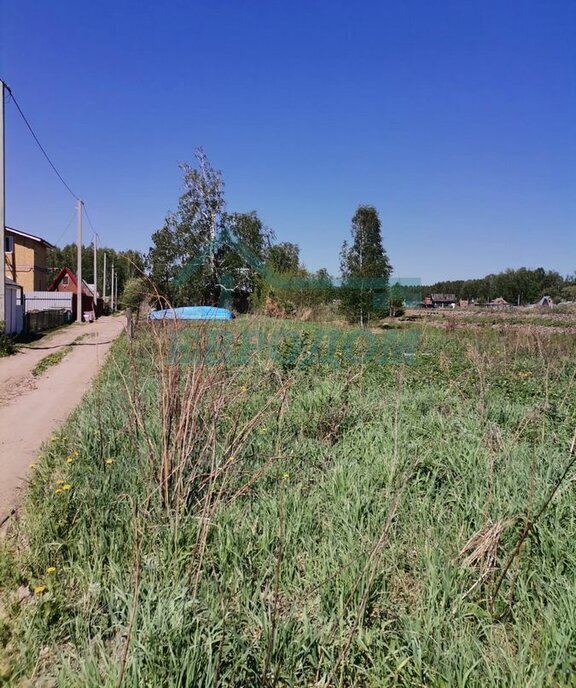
(9, 244)
(65, 281)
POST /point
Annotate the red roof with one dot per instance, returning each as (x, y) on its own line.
(72, 276)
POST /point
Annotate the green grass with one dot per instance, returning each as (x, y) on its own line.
(50, 360)
(306, 527)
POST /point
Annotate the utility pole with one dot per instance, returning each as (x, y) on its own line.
(79, 313)
(116, 292)
(2, 212)
(104, 279)
(112, 290)
(95, 239)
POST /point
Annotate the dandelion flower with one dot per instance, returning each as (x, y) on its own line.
(69, 460)
(75, 454)
(286, 476)
(109, 461)
(39, 589)
(58, 490)
(60, 482)
(51, 569)
(66, 486)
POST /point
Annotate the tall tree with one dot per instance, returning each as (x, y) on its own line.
(365, 269)
(182, 259)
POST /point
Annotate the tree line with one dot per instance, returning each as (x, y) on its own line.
(521, 286)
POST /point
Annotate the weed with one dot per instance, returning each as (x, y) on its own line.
(50, 360)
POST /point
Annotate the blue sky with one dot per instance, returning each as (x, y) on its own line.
(457, 120)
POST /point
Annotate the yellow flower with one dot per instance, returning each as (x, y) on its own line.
(58, 490)
(39, 589)
(51, 569)
(109, 461)
(286, 476)
(66, 486)
(75, 454)
(69, 460)
(60, 482)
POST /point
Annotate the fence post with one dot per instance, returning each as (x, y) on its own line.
(129, 324)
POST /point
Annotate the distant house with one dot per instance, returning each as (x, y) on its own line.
(443, 300)
(499, 303)
(26, 259)
(545, 302)
(66, 281)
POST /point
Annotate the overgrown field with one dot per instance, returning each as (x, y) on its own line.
(313, 512)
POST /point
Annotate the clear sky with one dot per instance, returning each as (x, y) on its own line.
(456, 119)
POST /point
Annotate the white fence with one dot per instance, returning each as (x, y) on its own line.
(47, 300)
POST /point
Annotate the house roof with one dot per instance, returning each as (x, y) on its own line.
(443, 297)
(32, 237)
(72, 276)
(499, 302)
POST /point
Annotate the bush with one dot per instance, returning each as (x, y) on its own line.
(6, 344)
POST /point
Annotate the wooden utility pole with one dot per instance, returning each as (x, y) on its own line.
(79, 310)
(104, 279)
(95, 244)
(112, 289)
(2, 212)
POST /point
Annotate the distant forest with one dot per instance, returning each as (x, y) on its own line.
(522, 286)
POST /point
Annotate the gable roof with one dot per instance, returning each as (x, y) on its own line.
(72, 276)
(499, 301)
(32, 237)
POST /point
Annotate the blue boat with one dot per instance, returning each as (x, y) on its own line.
(192, 313)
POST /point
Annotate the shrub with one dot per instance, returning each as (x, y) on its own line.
(6, 344)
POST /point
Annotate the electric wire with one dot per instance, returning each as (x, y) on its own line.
(52, 165)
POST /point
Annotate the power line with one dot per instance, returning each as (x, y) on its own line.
(90, 221)
(66, 229)
(38, 142)
(52, 165)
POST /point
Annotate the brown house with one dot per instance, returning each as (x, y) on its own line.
(26, 259)
(66, 281)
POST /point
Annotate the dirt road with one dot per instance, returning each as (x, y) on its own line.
(31, 408)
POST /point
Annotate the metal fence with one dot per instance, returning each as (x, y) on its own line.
(47, 300)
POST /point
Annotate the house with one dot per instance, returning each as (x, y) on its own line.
(546, 302)
(443, 300)
(26, 259)
(499, 303)
(66, 281)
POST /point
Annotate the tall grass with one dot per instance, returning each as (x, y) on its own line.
(303, 521)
